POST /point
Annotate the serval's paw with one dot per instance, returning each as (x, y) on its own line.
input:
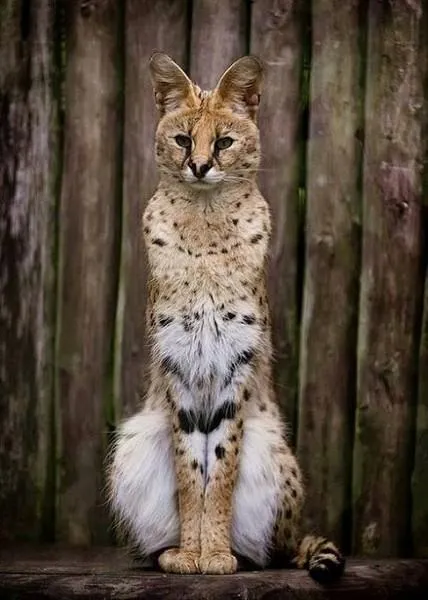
(175, 560)
(218, 563)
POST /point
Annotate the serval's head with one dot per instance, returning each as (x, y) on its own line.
(209, 138)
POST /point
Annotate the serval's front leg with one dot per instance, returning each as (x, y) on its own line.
(223, 450)
(189, 447)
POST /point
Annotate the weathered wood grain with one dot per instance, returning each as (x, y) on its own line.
(219, 36)
(391, 278)
(330, 306)
(27, 204)
(88, 247)
(149, 26)
(276, 37)
(420, 471)
(107, 574)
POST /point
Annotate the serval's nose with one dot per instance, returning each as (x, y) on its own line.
(200, 167)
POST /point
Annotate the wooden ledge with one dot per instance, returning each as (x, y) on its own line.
(52, 572)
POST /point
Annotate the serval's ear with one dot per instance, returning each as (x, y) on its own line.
(240, 86)
(172, 88)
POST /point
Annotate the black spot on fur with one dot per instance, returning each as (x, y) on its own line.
(170, 366)
(246, 395)
(288, 514)
(241, 359)
(235, 221)
(159, 242)
(226, 411)
(256, 238)
(217, 330)
(187, 323)
(164, 320)
(220, 451)
(249, 319)
(194, 464)
(186, 420)
(246, 195)
(229, 316)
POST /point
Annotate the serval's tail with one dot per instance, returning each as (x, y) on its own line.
(321, 557)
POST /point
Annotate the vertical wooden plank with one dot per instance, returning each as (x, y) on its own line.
(149, 26)
(276, 27)
(87, 240)
(219, 37)
(27, 151)
(391, 278)
(330, 307)
(420, 471)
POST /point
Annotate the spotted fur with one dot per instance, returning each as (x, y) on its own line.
(203, 472)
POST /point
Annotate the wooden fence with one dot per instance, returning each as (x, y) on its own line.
(344, 130)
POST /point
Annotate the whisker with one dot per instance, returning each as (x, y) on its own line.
(231, 179)
(256, 170)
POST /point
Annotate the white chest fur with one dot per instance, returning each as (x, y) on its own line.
(207, 263)
(203, 344)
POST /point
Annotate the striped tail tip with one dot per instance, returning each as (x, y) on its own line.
(322, 558)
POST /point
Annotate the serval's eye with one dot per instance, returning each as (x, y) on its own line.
(223, 143)
(183, 140)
